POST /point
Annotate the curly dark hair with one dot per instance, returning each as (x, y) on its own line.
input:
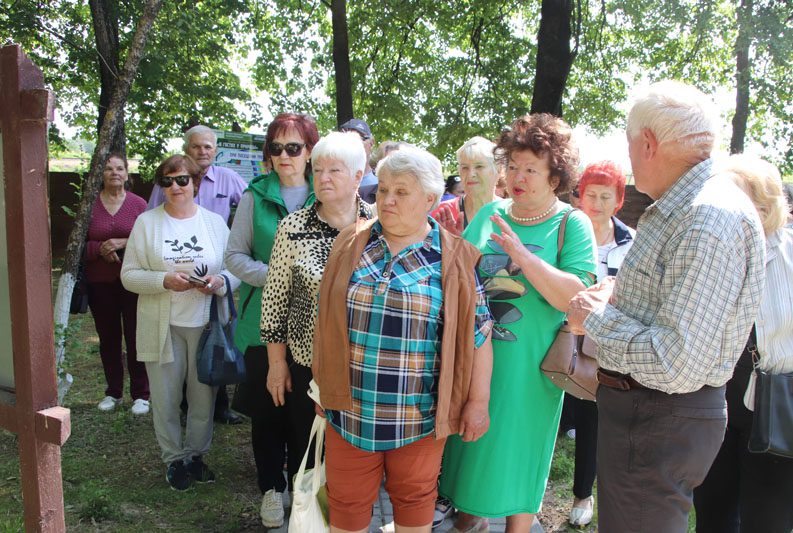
(542, 133)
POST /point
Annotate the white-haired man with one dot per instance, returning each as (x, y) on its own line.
(221, 188)
(671, 327)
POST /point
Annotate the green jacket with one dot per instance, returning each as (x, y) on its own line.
(268, 210)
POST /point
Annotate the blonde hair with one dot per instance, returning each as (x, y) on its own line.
(761, 181)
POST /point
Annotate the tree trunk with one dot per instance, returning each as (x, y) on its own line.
(341, 62)
(110, 127)
(742, 76)
(554, 57)
(104, 14)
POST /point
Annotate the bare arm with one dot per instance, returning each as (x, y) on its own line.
(556, 286)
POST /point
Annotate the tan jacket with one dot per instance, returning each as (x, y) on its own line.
(331, 366)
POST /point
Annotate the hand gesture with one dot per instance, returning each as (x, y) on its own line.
(509, 241)
(587, 301)
(446, 218)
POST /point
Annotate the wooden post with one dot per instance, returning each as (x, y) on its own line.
(25, 109)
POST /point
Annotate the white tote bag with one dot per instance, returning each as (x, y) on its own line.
(306, 514)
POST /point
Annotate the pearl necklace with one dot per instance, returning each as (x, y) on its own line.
(530, 219)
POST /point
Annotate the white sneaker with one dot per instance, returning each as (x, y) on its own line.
(140, 407)
(109, 403)
(272, 511)
(581, 516)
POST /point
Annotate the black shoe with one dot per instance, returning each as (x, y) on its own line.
(228, 417)
(178, 477)
(199, 471)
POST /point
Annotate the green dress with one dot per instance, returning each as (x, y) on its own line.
(505, 471)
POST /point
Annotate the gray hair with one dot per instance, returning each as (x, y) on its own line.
(346, 147)
(675, 112)
(383, 149)
(198, 130)
(476, 147)
(421, 164)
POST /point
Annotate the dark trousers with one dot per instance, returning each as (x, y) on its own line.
(653, 449)
(744, 492)
(281, 432)
(585, 414)
(115, 311)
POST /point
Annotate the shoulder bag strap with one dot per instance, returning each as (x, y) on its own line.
(560, 237)
(230, 297)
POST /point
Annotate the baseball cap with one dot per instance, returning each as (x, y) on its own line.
(357, 125)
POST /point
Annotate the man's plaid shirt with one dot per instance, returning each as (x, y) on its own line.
(394, 312)
(687, 293)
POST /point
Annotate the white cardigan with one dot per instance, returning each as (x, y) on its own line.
(143, 272)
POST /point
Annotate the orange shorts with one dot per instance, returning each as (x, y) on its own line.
(354, 477)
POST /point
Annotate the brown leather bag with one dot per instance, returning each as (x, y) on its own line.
(565, 363)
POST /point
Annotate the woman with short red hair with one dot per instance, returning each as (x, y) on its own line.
(602, 193)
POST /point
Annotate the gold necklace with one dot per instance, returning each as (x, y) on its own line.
(530, 219)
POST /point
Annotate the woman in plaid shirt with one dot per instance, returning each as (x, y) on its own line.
(402, 352)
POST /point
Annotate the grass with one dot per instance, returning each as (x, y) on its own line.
(114, 480)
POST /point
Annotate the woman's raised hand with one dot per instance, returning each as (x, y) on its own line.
(508, 240)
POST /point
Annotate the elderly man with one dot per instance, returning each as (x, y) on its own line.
(670, 329)
(220, 190)
(368, 186)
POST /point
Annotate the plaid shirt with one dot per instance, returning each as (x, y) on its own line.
(394, 308)
(688, 290)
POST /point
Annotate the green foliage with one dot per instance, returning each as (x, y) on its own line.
(432, 73)
(96, 503)
(186, 71)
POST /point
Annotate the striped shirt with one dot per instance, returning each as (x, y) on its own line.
(395, 318)
(775, 316)
(688, 290)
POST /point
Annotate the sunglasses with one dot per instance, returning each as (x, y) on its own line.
(167, 181)
(292, 149)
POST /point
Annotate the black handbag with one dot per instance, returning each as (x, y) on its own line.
(772, 423)
(79, 301)
(218, 361)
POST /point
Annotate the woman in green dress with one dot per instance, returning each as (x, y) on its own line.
(528, 283)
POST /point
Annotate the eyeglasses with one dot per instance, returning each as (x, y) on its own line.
(167, 181)
(292, 149)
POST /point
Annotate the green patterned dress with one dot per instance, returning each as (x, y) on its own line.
(505, 472)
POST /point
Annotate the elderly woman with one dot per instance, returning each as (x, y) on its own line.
(174, 261)
(479, 177)
(267, 200)
(602, 193)
(746, 491)
(402, 352)
(289, 300)
(529, 284)
(113, 307)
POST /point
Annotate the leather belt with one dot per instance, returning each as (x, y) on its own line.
(615, 380)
